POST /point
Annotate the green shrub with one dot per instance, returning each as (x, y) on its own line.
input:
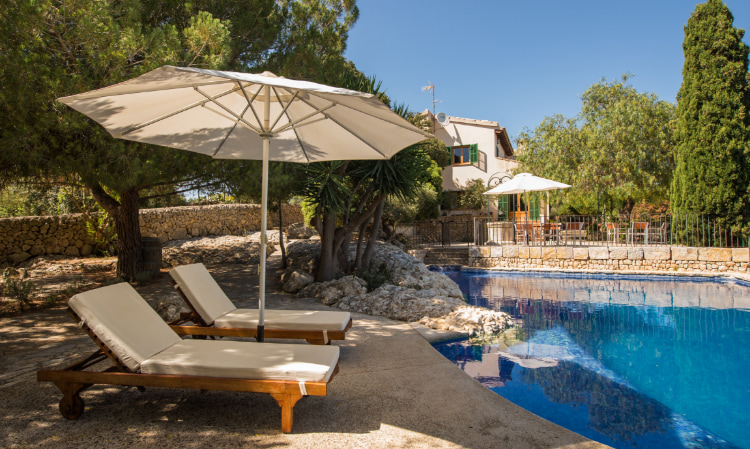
(374, 276)
(20, 290)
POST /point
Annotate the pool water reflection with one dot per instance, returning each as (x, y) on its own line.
(632, 362)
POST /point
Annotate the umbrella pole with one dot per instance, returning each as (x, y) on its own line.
(264, 218)
(263, 242)
(527, 205)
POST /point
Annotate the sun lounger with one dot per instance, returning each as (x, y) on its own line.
(145, 352)
(214, 314)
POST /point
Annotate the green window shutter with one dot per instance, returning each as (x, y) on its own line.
(502, 205)
(474, 151)
(534, 207)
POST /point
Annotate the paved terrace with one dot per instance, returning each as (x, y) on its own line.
(393, 391)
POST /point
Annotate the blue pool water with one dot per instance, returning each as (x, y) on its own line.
(630, 361)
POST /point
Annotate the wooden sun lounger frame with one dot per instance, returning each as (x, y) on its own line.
(201, 328)
(73, 380)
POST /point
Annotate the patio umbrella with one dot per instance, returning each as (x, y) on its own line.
(524, 183)
(231, 115)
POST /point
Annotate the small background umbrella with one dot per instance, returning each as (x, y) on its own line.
(231, 115)
(524, 183)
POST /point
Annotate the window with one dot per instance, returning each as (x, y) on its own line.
(465, 154)
(481, 162)
(462, 155)
(469, 155)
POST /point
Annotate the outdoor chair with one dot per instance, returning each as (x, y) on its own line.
(551, 233)
(638, 229)
(213, 313)
(145, 352)
(524, 232)
(574, 231)
(614, 233)
(658, 234)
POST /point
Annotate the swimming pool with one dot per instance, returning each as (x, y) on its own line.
(630, 361)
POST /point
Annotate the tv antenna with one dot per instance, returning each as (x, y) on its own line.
(431, 87)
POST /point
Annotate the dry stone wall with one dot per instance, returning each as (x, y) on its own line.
(662, 258)
(24, 237)
(179, 223)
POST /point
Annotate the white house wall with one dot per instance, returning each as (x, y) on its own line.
(454, 134)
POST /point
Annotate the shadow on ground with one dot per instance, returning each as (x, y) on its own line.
(393, 390)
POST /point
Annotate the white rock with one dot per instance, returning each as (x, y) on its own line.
(295, 280)
(413, 293)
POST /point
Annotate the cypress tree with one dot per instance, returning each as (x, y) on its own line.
(711, 159)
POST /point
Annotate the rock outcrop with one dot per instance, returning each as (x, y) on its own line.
(227, 249)
(411, 293)
(474, 320)
(300, 231)
(295, 280)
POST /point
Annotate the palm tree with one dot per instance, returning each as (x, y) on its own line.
(350, 195)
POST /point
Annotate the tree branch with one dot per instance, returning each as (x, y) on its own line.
(109, 204)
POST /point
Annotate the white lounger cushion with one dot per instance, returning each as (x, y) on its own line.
(201, 289)
(245, 360)
(120, 317)
(298, 320)
(135, 333)
(217, 309)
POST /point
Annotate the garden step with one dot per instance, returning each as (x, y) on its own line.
(447, 256)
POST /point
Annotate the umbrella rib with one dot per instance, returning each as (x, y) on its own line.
(346, 128)
(298, 121)
(301, 145)
(400, 125)
(229, 133)
(229, 111)
(289, 103)
(250, 101)
(172, 114)
(92, 95)
(358, 137)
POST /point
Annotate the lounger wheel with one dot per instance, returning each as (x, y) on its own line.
(71, 407)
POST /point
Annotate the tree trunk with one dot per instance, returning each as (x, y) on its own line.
(128, 227)
(328, 264)
(367, 258)
(389, 229)
(360, 239)
(281, 237)
(129, 245)
(343, 235)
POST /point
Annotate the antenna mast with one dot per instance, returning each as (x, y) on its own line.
(431, 87)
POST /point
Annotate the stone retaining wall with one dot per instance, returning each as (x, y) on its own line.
(25, 237)
(179, 223)
(662, 258)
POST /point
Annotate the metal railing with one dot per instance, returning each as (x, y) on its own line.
(581, 230)
(439, 233)
(620, 230)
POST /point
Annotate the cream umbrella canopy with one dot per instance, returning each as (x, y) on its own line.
(524, 183)
(232, 115)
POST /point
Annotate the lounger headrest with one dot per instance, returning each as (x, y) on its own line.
(202, 291)
(125, 322)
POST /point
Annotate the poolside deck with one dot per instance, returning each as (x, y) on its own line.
(393, 390)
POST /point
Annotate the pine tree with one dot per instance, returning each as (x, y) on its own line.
(711, 174)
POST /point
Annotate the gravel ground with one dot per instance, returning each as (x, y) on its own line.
(393, 391)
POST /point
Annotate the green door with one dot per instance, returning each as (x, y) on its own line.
(504, 207)
(534, 207)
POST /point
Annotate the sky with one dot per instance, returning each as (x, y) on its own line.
(518, 61)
